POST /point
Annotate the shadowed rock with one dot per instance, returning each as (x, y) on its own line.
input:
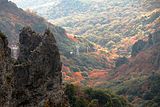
(5, 72)
(37, 73)
(35, 79)
(1, 1)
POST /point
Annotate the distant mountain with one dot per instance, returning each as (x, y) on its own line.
(13, 19)
(34, 3)
(67, 8)
(54, 9)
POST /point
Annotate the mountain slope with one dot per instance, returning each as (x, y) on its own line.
(105, 28)
(96, 38)
(55, 9)
(138, 79)
(13, 19)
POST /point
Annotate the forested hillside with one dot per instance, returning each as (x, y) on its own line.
(105, 44)
(139, 78)
(13, 19)
(100, 32)
(33, 76)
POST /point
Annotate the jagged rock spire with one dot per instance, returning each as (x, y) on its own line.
(35, 79)
(38, 76)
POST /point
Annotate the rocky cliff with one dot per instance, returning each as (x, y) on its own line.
(35, 79)
(5, 72)
(3, 1)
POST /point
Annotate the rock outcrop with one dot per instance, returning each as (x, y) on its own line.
(37, 73)
(1, 1)
(5, 72)
(35, 79)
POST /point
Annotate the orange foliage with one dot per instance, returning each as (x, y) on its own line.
(76, 78)
(78, 75)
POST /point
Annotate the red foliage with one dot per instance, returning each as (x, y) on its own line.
(72, 37)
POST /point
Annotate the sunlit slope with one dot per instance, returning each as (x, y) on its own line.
(100, 32)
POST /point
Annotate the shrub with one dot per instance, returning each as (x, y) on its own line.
(93, 103)
(70, 91)
(89, 97)
(149, 103)
(120, 61)
(81, 102)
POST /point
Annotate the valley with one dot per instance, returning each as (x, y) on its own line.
(106, 44)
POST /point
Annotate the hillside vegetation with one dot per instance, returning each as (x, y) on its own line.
(101, 31)
(106, 44)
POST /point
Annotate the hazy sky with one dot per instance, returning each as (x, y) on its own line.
(81, 0)
(14, 0)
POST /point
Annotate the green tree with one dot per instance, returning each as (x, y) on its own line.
(70, 91)
(81, 102)
(93, 103)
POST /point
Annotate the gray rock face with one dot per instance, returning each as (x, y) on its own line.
(5, 72)
(38, 71)
(3, 1)
(35, 79)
